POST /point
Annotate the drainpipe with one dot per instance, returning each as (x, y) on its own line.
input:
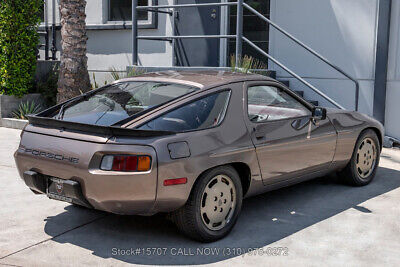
(381, 61)
(46, 28)
(54, 32)
(134, 33)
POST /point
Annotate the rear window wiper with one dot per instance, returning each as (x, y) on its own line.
(136, 115)
(61, 112)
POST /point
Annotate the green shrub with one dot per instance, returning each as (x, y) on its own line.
(118, 75)
(247, 64)
(95, 85)
(25, 109)
(19, 20)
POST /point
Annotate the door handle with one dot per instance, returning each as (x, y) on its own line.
(258, 135)
(261, 137)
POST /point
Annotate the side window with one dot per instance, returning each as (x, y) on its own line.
(204, 113)
(268, 103)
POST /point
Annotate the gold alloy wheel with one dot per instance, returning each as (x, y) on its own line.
(366, 158)
(218, 202)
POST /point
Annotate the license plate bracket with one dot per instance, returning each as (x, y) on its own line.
(56, 189)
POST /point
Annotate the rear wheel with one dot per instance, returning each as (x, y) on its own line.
(362, 167)
(213, 206)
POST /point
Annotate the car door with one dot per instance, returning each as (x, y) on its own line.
(289, 143)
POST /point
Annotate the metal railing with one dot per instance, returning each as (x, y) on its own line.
(46, 33)
(309, 49)
(239, 41)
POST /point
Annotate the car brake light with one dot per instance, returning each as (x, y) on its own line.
(126, 163)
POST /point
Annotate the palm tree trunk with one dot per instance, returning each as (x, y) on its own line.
(74, 77)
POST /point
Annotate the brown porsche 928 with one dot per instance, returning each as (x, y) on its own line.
(191, 144)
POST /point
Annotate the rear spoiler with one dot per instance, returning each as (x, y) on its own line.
(96, 129)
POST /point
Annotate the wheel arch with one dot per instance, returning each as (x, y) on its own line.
(241, 168)
(378, 133)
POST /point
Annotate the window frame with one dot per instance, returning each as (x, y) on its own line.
(150, 23)
(304, 103)
(190, 102)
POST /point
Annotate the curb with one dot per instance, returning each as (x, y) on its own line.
(13, 123)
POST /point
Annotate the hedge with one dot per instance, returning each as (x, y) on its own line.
(19, 20)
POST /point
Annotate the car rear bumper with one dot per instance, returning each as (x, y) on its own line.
(72, 191)
(115, 192)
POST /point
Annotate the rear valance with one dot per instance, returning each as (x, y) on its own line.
(95, 129)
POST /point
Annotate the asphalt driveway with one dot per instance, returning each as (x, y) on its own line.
(317, 222)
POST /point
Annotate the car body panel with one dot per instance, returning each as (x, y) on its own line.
(117, 192)
(349, 125)
(225, 144)
(292, 151)
(290, 148)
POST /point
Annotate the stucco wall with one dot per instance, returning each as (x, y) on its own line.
(392, 123)
(342, 31)
(110, 48)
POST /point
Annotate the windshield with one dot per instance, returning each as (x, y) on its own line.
(118, 102)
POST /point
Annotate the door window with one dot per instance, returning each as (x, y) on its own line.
(269, 103)
(204, 113)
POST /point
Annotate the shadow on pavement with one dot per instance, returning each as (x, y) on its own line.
(312, 202)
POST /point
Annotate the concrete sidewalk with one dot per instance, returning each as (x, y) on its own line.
(317, 222)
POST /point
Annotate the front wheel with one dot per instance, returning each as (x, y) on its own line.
(213, 205)
(364, 163)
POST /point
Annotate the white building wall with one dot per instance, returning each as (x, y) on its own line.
(392, 123)
(109, 47)
(342, 31)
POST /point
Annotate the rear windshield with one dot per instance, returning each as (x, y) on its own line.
(118, 102)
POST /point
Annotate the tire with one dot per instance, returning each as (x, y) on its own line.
(366, 154)
(192, 219)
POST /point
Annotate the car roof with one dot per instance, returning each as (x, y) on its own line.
(200, 79)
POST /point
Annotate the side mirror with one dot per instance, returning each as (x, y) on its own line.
(319, 113)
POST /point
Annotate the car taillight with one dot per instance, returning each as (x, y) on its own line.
(125, 163)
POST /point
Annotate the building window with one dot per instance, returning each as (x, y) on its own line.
(121, 10)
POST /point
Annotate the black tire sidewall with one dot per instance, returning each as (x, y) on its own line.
(353, 166)
(206, 233)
